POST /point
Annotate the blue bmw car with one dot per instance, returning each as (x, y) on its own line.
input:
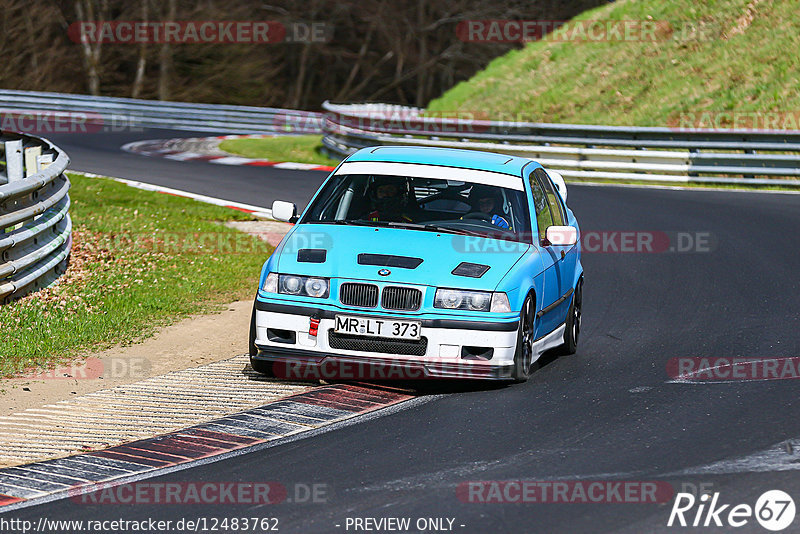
(422, 263)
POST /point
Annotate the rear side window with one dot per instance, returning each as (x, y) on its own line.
(549, 211)
(544, 216)
(559, 217)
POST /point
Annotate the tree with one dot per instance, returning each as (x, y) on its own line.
(91, 11)
(405, 51)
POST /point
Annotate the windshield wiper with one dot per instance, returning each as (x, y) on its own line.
(343, 222)
(384, 224)
(430, 227)
(427, 227)
(458, 231)
(410, 226)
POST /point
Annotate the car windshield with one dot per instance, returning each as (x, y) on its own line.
(432, 204)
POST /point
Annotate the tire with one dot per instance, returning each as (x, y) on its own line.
(573, 324)
(523, 356)
(262, 367)
(253, 350)
(259, 366)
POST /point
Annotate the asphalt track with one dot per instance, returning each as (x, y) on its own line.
(100, 153)
(607, 412)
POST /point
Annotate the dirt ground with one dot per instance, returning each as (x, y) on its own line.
(189, 343)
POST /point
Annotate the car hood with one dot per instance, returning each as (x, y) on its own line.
(441, 253)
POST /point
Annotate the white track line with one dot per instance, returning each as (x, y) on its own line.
(257, 211)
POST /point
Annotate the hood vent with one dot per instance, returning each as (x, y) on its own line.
(384, 260)
(312, 255)
(470, 270)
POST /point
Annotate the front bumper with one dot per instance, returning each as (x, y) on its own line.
(440, 356)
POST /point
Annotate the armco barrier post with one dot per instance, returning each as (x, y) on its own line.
(13, 160)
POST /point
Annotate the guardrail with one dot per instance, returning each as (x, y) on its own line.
(126, 113)
(581, 152)
(35, 228)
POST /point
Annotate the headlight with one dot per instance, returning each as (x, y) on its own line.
(316, 287)
(290, 284)
(479, 301)
(457, 299)
(448, 298)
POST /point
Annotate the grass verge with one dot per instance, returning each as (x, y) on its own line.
(140, 261)
(294, 148)
(718, 56)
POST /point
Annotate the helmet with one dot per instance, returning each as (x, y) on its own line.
(389, 203)
(480, 191)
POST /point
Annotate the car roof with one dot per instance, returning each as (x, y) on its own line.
(446, 157)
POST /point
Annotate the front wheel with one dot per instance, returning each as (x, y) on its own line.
(259, 366)
(262, 367)
(523, 356)
(253, 350)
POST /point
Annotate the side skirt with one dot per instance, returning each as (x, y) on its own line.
(551, 340)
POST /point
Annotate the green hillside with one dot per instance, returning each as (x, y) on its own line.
(743, 57)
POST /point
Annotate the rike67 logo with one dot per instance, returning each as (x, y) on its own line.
(774, 510)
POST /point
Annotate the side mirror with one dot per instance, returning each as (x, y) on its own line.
(560, 184)
(560, 236)
(284, 211)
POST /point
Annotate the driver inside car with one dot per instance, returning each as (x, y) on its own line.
(487, 201)
(390, 200)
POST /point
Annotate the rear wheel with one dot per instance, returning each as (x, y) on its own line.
(259, 366)
(524, 353)
(573, 324)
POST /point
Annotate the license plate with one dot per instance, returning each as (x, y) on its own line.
(367, 326)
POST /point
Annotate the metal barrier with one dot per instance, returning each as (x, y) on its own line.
(126, 113)
(35, 228)
(582, 152)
